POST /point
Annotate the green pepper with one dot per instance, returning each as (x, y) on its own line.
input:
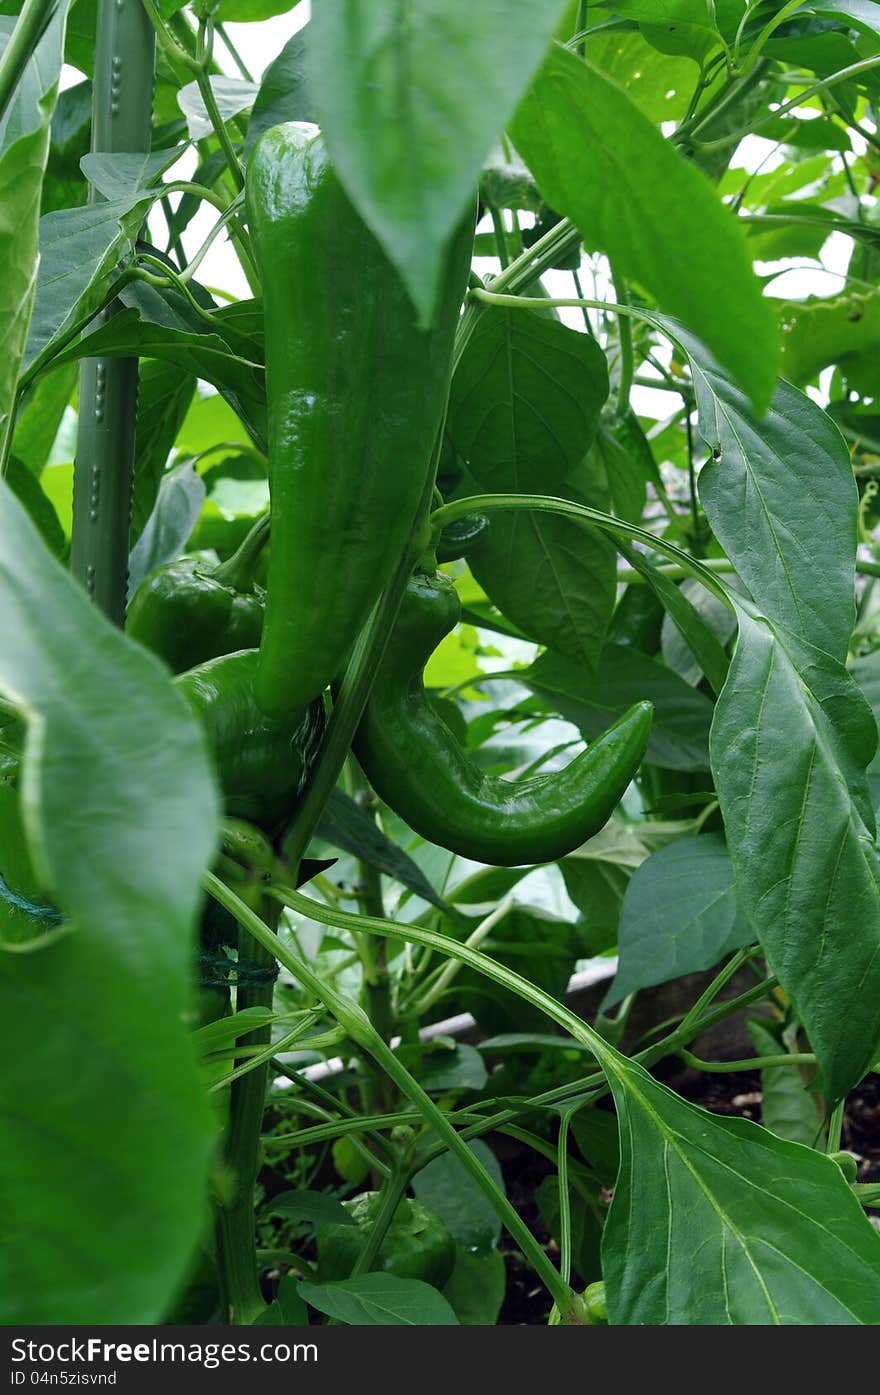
(417, 1244)
(415, 764)
(457, 538)
(356, 391)
(188, 611)
(262, 762)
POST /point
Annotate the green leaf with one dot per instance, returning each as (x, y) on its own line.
(714, 616)
(80, 250)
(680, 915)
(788, 1108)
(411, 108)
(702, 647)
(63, 185)
(251, 11)
(232, 96)
(39, 417)
(164, 397)
(119, 177)
(586, 1227)
(817, 332)
(682, 26)
(309, 1206)
(571, 130)
(179, 501)
(682, 716)
(715, 1221)
(29, 492)
(120, 825)
(658, 84)
(445, 1188)
(791, 738)
(380, 1300)
(782, 501)
(344, 824)
(523, 411)
(282, 95)
(24, 150)
(476, 1287)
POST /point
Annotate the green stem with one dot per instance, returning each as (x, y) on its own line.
(234, 1210)
(33, 18)
(500, 236)
(361, 1031)
(234, 53)
(835, 1128)
(122, 108)
(853, 70)
(545, 503)
(793, 1058)
(237, 571)
(393, 1189)
(203, 82)
(625, 344)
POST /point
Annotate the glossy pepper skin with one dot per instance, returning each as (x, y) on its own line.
(355, 392)
(460, 537)
(415, 763)
(188, 611)
(262, 762)
(417, 1244)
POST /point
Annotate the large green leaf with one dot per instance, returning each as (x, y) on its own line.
(679, 915)
(80, 250)
(411, 102)
(282, 95)
(600, 161)
(24, 150)
(523, 411)
(791, 738)
(106, 1133)
(380, 1300)
(716, 1221)
(782, 501)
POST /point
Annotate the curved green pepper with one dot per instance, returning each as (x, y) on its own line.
(417, 1244)
(187, 611)
(415, 764)
(355, 389)
(262, 762)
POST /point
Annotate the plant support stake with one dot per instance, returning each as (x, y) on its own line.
(122, 108)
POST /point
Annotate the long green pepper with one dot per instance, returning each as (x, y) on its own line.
(356, 391)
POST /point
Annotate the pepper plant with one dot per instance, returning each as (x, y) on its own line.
(483, 586)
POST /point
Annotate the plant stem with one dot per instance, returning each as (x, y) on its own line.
(234, 1210)
(545, 503)
(122, 108)
(361, 1031)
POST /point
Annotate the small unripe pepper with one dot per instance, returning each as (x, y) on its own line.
(414, 762)
(356, 390)
(262, 762)
(188, 611)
